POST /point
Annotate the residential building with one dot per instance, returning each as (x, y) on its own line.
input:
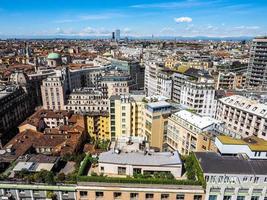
(257, 71)
(191, 132)
(54, 91)
(15, 107)
(126, 191)
(243, 116)
(84, 100)
(230, 80)
(132, 155)
(158, 81)
(156, 121)
(126, 115)
(195, 90)
(98, 125)
(233, 177)
(37, 191)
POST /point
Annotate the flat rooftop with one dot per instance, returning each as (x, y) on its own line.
(159, 104)
(214, 163)
(195, 119)
(253, 142)
(140, 158)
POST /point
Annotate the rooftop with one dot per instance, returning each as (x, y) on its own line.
(253, 142)
(141, 158)
(243, 103)
(159, 104)
(195, 119)
(214, 163)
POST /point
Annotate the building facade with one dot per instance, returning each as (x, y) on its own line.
(243, 116)
(257, 71)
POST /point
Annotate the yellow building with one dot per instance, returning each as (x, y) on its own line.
(156, 121)
(191, 132)
(98, 125)
(126, 115)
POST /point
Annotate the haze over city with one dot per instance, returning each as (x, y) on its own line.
(133, 100)
(141, 18)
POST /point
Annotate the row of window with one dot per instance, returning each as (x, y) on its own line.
(118, 195)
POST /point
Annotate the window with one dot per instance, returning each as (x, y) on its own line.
(254, 198)
(165, 196)
(133, 196)
(121, 170)
(213, 197)
(227, 198)
(240, 198)
(180, 197)
(83, 193)
(117, 195)
(99, 194)
(197, 197)
(149, 196)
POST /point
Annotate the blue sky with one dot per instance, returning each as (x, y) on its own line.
(216, 18)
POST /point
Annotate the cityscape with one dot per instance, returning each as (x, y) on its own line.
(133, 100)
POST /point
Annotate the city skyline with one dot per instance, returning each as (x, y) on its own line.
(142, 18)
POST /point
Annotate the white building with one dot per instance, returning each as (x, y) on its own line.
(243, 116)
(233, 177)
(131, 155)
(194, 89)
(157, 80)
(87, 100)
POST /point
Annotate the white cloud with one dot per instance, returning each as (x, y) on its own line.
(183, 19)
(247, 27)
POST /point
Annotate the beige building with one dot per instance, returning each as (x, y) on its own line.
(126, 115)
(243, 116)
(126, 191)
(230, 80)
(191, 132)
(156, 120)
(53, 93)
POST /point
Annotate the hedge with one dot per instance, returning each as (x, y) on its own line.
(136, 180)
(84, 165)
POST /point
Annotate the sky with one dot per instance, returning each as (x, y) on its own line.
(187, 18)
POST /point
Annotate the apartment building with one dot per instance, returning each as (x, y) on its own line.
(54, 89)
(257, 71)
(243, 116)
(194, 89)
(9, 191)
(126, 115)
(126, 191)
(98, 125)
(15, 107)
(230, 80)
(87, 99)
(158, 81)
(191, 132)
(156, 120)
(233, 177)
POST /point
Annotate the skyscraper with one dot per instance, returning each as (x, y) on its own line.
(117, 34)
(257, 68)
